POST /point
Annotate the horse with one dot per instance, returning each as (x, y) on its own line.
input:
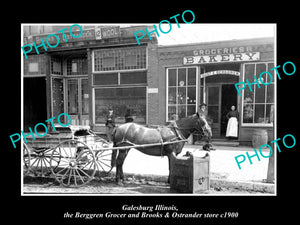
(130, 134)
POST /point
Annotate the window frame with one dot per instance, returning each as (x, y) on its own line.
(109, 87)
(167, 89)
(243, 124)
(119, 70)
(119, 79)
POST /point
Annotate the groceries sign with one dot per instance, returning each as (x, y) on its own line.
(218, 55)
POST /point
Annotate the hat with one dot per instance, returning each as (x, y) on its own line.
(202, 104)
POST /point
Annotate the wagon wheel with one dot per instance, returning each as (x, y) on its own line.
(77, 163)
(40, 164)
(26, 159)
(103, 161)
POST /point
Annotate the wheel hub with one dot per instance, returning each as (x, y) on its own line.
(72, 163)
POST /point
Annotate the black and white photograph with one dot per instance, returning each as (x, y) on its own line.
(172, 115)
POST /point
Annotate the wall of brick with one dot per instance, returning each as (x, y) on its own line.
(152, 80)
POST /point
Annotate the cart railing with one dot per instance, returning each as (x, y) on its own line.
(144, 145)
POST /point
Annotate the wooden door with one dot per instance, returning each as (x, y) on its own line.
(214, 108)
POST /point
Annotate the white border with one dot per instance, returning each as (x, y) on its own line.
(186, 195)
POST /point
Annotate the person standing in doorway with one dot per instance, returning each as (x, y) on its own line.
(232, 126)
(110, 124)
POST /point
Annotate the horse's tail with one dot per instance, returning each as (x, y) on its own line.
(114, 152)
(113, 157)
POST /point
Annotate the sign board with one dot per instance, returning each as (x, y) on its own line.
(152, 90)
(107, 32)
(86, 35)
(89, 34)
(233, 57)
(216, 72)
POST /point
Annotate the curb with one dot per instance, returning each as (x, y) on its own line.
(214, 182)
(244, 185)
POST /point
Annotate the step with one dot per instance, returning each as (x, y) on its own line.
(221, 142)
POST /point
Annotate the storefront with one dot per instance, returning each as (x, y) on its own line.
(206, 73)
(156, 84)
(88, 75)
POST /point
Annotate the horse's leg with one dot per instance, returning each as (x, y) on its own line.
(119, 165)
(171, 157)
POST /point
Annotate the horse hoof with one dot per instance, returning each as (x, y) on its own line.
(119, 183)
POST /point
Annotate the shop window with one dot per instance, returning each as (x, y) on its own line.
(72, 97)
(129, 58)
(85, 96)
(182, 92)
(106, 79)
(258, 105)
(57, 95)
(77, 66)
(56, 66)
(120, 99)
(120, 78)
(133, 77)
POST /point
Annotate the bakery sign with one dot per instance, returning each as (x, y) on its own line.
(237, 54)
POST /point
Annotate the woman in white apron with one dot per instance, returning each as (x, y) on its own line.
(232, 126)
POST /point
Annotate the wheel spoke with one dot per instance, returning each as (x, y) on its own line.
(69, 178)
(74, 175)
(106, 155)
(80, 176)
(83, 172)
(34, 161)
(58, 172)
(103, 163)
(67, 155)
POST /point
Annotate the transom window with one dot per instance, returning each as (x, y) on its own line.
(128, 58)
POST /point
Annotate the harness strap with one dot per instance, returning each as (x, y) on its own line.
(177, 131)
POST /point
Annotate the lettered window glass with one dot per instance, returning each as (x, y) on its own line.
(182, 92)
(258, 104)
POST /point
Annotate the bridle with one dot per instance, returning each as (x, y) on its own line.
(201, 130)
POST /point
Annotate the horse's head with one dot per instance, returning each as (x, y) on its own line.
(194, 123)
(201, 125)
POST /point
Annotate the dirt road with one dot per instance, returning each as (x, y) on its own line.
(34, 185)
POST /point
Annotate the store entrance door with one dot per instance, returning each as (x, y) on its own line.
(78, 101)
(214, 108)
(220, 97)
(229, 98)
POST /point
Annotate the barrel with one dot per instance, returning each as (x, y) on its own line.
(259, 138)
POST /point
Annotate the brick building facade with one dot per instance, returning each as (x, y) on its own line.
(86, 76)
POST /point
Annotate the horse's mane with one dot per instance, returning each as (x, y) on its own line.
(185, 122)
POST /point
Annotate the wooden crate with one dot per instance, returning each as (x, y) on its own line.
(190, 174)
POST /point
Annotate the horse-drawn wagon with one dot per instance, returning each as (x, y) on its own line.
(76, 161)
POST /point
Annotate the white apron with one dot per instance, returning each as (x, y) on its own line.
(232, 127)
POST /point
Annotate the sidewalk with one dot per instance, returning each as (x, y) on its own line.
(223, 167)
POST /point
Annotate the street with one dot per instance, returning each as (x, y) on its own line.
(148, 175)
